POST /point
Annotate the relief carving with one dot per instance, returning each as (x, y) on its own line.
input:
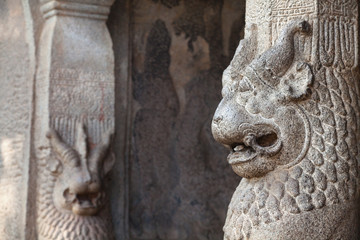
(73, 201)
(75, 87)
(292, 130)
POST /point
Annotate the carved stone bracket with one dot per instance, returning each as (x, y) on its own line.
(290, 115)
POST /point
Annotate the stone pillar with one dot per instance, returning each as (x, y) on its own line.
(17, 67)
(290, 115)
(74, 120)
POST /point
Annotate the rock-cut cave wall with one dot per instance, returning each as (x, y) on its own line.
(178, 181)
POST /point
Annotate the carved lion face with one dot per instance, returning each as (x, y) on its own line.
(79, 186)
(79, 189)
(260, 118)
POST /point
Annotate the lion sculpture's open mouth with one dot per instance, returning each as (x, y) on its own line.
(254, 140)
(84, 204)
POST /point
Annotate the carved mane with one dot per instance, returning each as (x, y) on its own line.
(54, 224)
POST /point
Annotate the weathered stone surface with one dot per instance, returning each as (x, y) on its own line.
(176, 48)
(17, 68)
(176, 174)
(120, 31)
(291, 105)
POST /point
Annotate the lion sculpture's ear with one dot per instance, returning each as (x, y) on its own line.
(102, 157)
(276, 63)
(244, 55)
(108, 163)
(295, 84)
(61, 152)
(246, 51)
(109, 159)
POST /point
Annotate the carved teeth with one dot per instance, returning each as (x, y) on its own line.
(241, 153)
(249, 140)
(86, 204)
(239, 148)
(88, 200)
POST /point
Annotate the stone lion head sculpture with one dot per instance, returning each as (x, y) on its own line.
(292, 129)
(258, 117)
(73, 202)
(80, 173)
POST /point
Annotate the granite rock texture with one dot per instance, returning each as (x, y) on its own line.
(290, 117)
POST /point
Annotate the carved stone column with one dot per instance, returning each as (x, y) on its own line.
(290, 115)
(74, 120)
